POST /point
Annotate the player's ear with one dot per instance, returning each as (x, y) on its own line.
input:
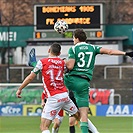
(77, 39)
(49, 50)
(59, 54)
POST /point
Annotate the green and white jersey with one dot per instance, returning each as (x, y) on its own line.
(84, 55)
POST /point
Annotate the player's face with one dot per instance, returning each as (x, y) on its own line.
(75, 40)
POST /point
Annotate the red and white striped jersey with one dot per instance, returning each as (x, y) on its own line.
(43, 97)
(52, 69)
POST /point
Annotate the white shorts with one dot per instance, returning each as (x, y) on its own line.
(57, 102)
(60, 118)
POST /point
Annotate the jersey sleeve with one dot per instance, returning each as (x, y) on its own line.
(43, 96)
(38, 67)
(71, 53)
(97, 49)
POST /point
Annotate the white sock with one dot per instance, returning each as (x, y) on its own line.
(46, 131)
(55, 130)
(92, 127)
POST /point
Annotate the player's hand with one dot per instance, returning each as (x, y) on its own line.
(43, 104)
(18, 93)
(64, 58)
(66, 70)
(129, 54)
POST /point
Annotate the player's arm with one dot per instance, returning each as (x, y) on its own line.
(70, 63)
(111, 52)
(29, 78)
(26, 81)
(71, 59)
(115, 52)
(43, 99)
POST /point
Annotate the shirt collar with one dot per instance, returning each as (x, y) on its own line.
(80, 43)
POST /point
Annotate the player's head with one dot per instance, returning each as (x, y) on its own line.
(79, 36)
(55, 49)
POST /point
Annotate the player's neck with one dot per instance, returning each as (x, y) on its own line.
(52, 56)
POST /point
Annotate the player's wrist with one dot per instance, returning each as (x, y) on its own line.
(64, 59)
(20, 89)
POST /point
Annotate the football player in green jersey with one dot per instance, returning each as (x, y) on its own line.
(81, 60)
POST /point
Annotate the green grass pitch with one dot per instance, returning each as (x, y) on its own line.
(31, 124)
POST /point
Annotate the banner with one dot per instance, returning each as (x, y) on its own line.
(11, 110)
(114, 110)
(101, 96)
(15, 36)
(32, 110)
(30, 95)
(92, 110)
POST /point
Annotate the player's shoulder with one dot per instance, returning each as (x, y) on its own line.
(44, 60)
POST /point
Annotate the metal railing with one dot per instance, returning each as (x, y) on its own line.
(119, 97)
(22, 72)
(119, 67)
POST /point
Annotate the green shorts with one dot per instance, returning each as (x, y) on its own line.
(80, 88)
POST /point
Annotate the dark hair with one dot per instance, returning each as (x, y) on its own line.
(55, 48)
(80, 34)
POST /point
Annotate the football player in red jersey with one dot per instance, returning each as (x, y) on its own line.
(52, 69)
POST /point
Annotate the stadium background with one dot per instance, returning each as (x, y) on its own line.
(112, 85)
